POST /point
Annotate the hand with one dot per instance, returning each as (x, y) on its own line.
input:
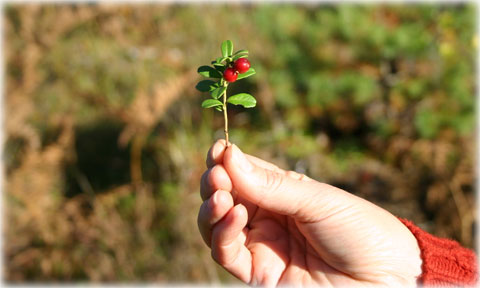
(269, 227)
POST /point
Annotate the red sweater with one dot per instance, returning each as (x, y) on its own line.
(445, 262)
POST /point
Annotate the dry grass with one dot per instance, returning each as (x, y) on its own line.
(106, 140)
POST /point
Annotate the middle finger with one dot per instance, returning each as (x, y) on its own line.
(215, 178)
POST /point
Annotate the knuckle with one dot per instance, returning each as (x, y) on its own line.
(210, 177)
(294, 175)
(297, 176)
(202, 180)
(213, 173)
(217, 253)
(216, 171)
(276, 169)
(223, 255)
(209, 158)
(202, 214)
(203, 223)
(272, 181)
(205, 185)
(214, 253)
(219, 179)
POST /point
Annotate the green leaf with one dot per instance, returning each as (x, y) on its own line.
(217, 93)
(208, 71)
(244, 99)
(209, 103)
(224, 50)
(227, 48)
(218, 108)
(220, 67)
(219, 60)
(239, 56)
(230, 48)
(249, 73)
(206, 85)
(243, 51)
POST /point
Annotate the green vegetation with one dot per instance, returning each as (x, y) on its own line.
(227, 69)
(106, 140)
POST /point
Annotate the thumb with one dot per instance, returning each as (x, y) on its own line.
(275, 191)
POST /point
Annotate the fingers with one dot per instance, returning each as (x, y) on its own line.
(215, 153)
(215, 178)
(228, 244)
(211, 211)
(222, 227)
(286, 193)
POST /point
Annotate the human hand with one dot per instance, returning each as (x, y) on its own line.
(269, 227)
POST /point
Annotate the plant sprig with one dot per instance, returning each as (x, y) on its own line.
(225, 70)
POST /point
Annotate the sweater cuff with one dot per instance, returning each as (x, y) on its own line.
(445, 262)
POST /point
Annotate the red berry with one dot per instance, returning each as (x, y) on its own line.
(242, 65)
(230, 75)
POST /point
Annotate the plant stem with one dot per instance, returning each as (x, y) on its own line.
(225, 116)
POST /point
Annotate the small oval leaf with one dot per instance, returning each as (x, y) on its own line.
(219, 60)
(220, 67)
(236, 57)
(206, 85)
(224, 49)
(217, 93)
(249, 73)
(227, 48)
(243, 51)
(208, 71)
(209, 103)
(244, 99)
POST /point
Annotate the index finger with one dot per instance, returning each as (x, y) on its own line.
(215, 153)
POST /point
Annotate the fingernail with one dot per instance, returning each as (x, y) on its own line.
(241, 160)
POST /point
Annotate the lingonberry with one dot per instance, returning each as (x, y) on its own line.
(230, 75)
(242, 65)
(218, 88)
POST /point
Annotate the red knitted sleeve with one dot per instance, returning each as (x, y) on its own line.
(445, 262)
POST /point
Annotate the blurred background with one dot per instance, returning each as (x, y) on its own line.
(105, 139)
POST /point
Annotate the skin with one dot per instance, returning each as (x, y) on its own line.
(271, 227)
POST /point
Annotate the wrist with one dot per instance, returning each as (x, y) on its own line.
(415, 259)
(444, 262)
